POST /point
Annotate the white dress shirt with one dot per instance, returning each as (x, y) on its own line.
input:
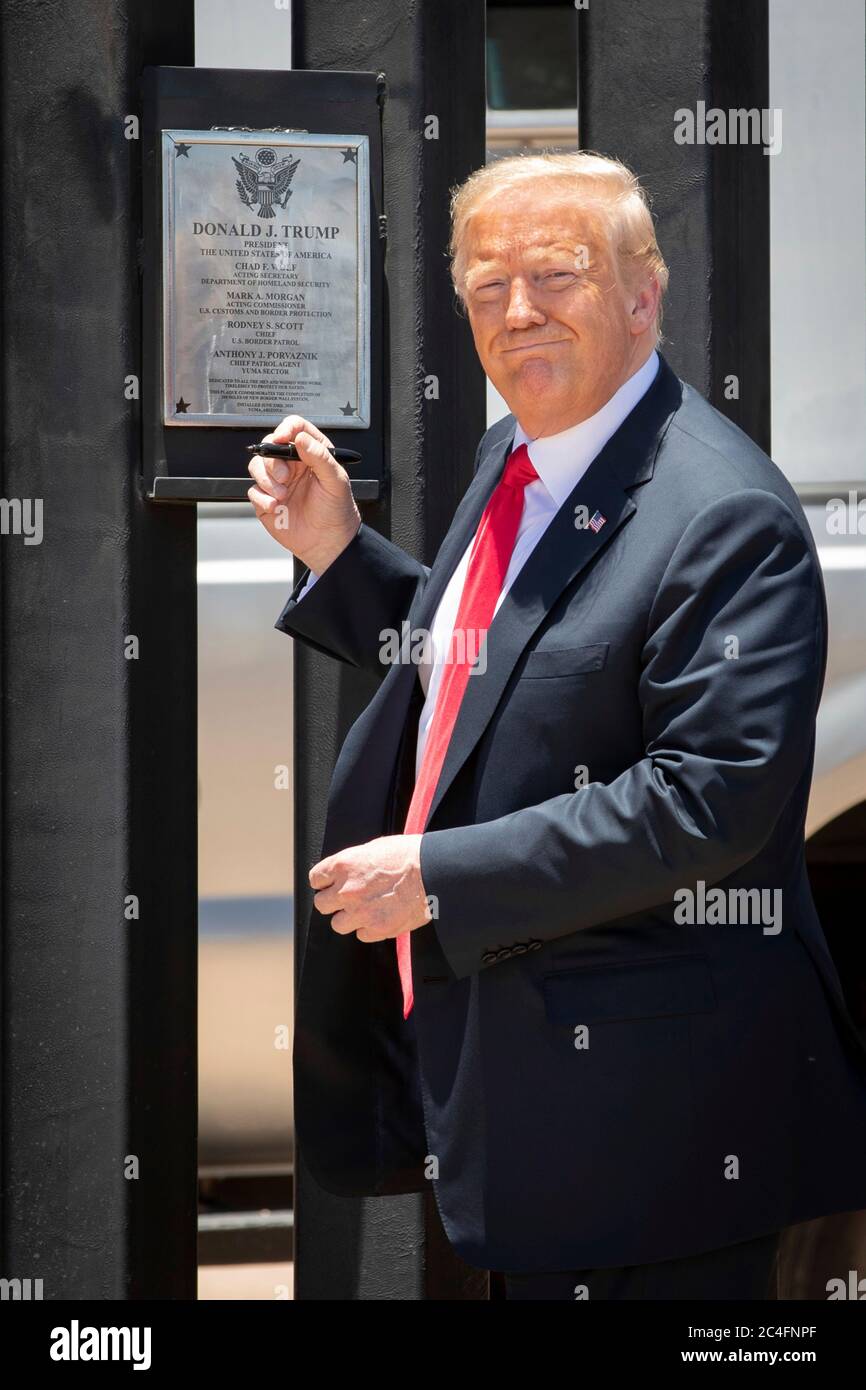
(560, 461)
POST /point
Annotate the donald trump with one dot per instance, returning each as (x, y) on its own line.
(610, 714)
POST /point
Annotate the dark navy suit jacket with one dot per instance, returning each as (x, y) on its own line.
(585, 1079)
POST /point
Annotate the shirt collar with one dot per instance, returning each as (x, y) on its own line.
(560, 460)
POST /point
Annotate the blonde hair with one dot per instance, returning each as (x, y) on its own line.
(607, 185)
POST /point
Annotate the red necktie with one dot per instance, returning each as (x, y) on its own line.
(485, 575)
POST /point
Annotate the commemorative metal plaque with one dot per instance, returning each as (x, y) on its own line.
(266, 278)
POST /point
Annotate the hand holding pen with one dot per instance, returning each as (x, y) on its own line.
(301, 492)
(289, 451)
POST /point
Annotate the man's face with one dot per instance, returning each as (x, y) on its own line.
(555, 331)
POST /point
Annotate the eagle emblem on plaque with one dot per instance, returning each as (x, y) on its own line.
(265, 181)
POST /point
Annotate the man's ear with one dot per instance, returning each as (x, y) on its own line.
(645, 306)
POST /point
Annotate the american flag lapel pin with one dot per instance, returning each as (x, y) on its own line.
(596, 522)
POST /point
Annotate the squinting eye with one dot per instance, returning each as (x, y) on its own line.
(490, 293)
(560, 275)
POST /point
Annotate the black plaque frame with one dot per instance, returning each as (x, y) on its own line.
(208, 463)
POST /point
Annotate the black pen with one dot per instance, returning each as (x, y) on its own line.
(288, 451)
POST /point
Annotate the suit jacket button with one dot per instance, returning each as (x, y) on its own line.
(488, 958)
(535, 945)
(503, 953)
(519, 949)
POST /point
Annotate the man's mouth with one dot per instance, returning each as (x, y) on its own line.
(529, 347)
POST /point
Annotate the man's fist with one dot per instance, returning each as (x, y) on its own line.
(306, 504)
(374, 890)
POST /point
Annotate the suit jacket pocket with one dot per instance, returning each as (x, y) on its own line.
(564, 661)
(635, 989)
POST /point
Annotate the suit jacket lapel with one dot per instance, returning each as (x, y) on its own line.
(626, 461)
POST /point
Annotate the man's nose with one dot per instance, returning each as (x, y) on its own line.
(521, 309)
